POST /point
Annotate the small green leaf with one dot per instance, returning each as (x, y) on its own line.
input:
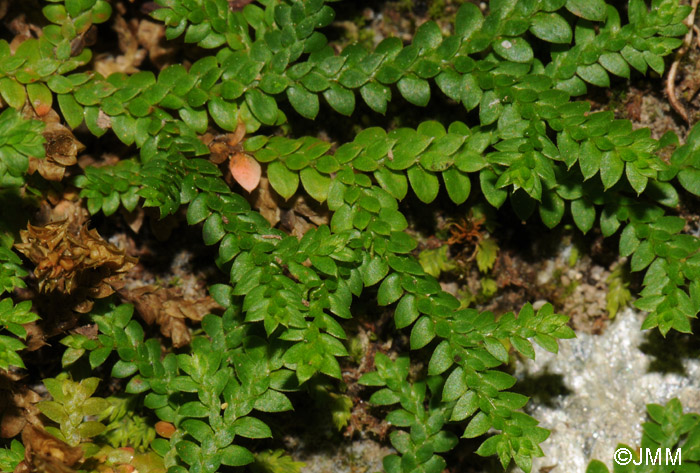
(374, 270)
(597, 467)
(490, 446)
(441, 359)
(406, 312)
(90, 429)
(303, 101)
(594, 74)
(72, 111)
(273, 83)
(13, 92)
(235, 455)
(551, 27)
(124, 127)
(589, 159)
(40, 97)
(390, 290)
(251, 428)
(690, 180)
(594, 10)
(467, 404)
(262, 105)
(513, 49)
(637, 180)
(493, 195)
(415, 90)
(457, 184)
(486, 254)
(496, 348)
(422, 333)
(213, 229)
(315, 183)
(393, 182)
(198, 210)
(468, 20)
(615, 63)
(490, 108)
(551, 209)
(224, 113)
(53, 410)
(273, 401)
(340, 99)
(424, 183)
(611, 167)
(376, 96)
(384, 397)
(478, 426)
(643, 256)
(282, 180)
(583, 213)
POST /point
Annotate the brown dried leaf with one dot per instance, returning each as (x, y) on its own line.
(267, 202)
(134, 219)
(221, 147)
(132, 56)
(67, 263)
(61, 147)
(44, 453)
(169, 309)
(36, 337)
(151, 36)
(16, 405)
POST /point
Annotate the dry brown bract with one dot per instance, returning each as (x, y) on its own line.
(68, 263)
(169, 309)
(44, 453)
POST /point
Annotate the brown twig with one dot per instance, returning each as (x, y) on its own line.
(671, 79)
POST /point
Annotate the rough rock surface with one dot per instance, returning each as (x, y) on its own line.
(592, 395)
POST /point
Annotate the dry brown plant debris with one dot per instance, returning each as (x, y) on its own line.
(168, 308)
(44, 453)
(66, 262)
(16, 405)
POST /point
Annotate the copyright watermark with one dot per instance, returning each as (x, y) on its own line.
(647, 456)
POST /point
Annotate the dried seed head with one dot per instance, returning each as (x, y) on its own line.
(66, 262)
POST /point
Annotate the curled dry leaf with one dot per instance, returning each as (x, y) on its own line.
(16, 405)
(223, 146)
(66, 262)
(22, 30)
(62, 149)
(267, 202)
(151, 36)
(169, 309)
(304, 215)
(44, 453)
